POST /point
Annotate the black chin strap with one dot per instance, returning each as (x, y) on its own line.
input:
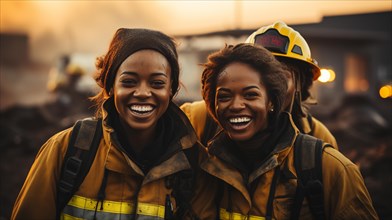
(297, 96)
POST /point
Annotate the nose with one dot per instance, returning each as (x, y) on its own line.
(237, 104)
(142, 91)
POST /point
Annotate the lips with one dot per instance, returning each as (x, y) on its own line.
(239, 122)
(141, 110)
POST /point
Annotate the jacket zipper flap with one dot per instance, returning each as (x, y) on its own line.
(174, 164)
(231, 176)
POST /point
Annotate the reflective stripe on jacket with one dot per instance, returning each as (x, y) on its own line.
(81, 207)
(345, 194)
(128, 190)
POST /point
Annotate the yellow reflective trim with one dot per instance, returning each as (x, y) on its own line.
(117, 207)
(108, 206)
(151, 210)
(69, 217)
(225, 215)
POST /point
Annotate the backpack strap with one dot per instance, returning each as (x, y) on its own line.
(307, 161)
(82, 147)
(185, 187)
(183, 184)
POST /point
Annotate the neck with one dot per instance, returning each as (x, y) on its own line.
(139, 139)
(254, 143)
(253, 149)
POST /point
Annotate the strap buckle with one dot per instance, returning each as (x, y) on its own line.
(70, 172)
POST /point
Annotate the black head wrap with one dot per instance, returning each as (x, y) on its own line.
(128, 41)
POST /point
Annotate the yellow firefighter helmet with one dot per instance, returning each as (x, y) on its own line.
(283, 41)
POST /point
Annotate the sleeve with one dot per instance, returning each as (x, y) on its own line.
(346, 196)
(37, 198)
(186, 108)
(197, 114)
(321, 131)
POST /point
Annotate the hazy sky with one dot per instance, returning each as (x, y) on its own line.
(87, 26)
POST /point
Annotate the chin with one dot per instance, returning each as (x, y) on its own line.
(140, 126)
(239, 137)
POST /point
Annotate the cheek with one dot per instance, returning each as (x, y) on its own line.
(120, 94)
(120, 99)
(262, 110)
(120, 91)
(164, 96)
(219, 111)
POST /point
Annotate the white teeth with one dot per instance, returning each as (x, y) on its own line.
(141, 108)
(239, 120)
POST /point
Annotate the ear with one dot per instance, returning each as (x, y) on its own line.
(270, 107)
(111, 92)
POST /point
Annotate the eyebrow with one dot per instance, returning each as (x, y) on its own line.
(250, 87)
(135, 74)
(244, 89)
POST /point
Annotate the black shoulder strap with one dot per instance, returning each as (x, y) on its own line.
(307, 161)
(185, 183)
(82, 147)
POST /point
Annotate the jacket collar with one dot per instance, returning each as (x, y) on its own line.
(117, 160)
(226, 173)
(218, 145)
(222, 163)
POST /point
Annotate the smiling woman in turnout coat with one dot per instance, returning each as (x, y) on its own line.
(252, 158)
(143, 147)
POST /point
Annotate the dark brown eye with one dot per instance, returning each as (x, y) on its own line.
(251, 95)
(223, 97)
(158, 84)
(128, 82)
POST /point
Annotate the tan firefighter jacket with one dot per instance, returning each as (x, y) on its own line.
(128, 190)
(197, 114)
(244, 195)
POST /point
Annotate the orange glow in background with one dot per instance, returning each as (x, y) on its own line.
(56, 27)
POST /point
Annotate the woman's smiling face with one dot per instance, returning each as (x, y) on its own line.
(241, 101)
(142, 89)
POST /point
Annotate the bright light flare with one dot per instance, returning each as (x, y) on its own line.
(327, 75)
(385, 91)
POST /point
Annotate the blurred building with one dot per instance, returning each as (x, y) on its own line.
(14, 49)
(358, 49)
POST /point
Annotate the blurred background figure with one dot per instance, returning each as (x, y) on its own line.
(58, 74)
(71, 86)
(51, 98)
